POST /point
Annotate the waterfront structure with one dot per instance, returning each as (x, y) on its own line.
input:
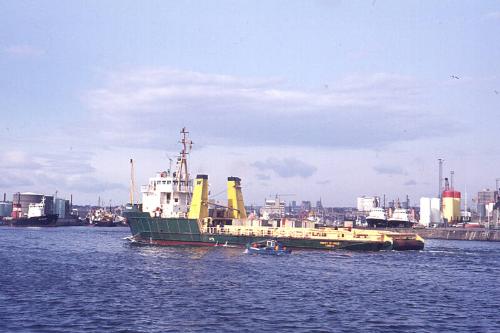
(62, 207)
(450, 203)
(5, 209)
(486, 196)
(273, 209)
(430, 211)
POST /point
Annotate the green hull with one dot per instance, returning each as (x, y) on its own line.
(181, 231)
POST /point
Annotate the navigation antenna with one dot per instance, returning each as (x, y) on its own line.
(182, 168)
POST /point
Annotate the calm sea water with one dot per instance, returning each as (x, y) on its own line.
(84, 279)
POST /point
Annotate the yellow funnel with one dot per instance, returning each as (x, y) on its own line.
(236, 208)
(199, 203)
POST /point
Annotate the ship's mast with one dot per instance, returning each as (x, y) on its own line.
(132, 182)
(182, 168)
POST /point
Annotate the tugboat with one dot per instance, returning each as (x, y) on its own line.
(268, 247)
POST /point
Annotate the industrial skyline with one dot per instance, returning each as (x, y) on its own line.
(323, 99)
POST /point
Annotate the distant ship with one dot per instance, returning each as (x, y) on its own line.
(377, 218)
(400, 218)
(101, 218)
(175, 211)
(36, 216)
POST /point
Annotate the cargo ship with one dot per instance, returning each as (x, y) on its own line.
(176, 212)
(36, 216)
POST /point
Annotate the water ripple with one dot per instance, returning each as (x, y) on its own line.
(90, 279)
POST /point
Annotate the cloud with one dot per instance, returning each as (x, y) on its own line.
(50, 171)
(23, 50)
(389, 170)
(18, 160)
(493, 15)
(410, 183)
(137, 106)
(66, 163)
(261, 176)
(324, 182)
(287, 167)
(89, 184)
(10, 179)
(47, 162)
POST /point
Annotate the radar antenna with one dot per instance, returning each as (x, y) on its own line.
(182, 167)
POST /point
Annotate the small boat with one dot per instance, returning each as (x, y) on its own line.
(269, 247)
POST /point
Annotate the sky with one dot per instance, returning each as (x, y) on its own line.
(308, 100)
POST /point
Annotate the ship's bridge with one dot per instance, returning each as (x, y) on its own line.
(166, 196)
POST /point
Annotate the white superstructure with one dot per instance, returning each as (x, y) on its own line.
(377, 217)
(377, 213)
(36, 209)
(168, 194)
(400, 217)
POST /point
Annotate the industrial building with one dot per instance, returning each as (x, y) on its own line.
(486, 196)
(366, 204)
(273, 208)
(430, 211)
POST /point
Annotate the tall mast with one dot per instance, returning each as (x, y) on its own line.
(182, 169)
(132, 182)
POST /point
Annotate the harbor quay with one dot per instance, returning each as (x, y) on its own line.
(471, 234)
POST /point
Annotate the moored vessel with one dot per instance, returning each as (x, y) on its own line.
(36, 216)
(400, 218)
(377, 218)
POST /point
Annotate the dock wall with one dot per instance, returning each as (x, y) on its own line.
(477, 234)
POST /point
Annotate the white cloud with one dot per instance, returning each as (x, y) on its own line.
(140, 107)
(46, 172)
(287, 167)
